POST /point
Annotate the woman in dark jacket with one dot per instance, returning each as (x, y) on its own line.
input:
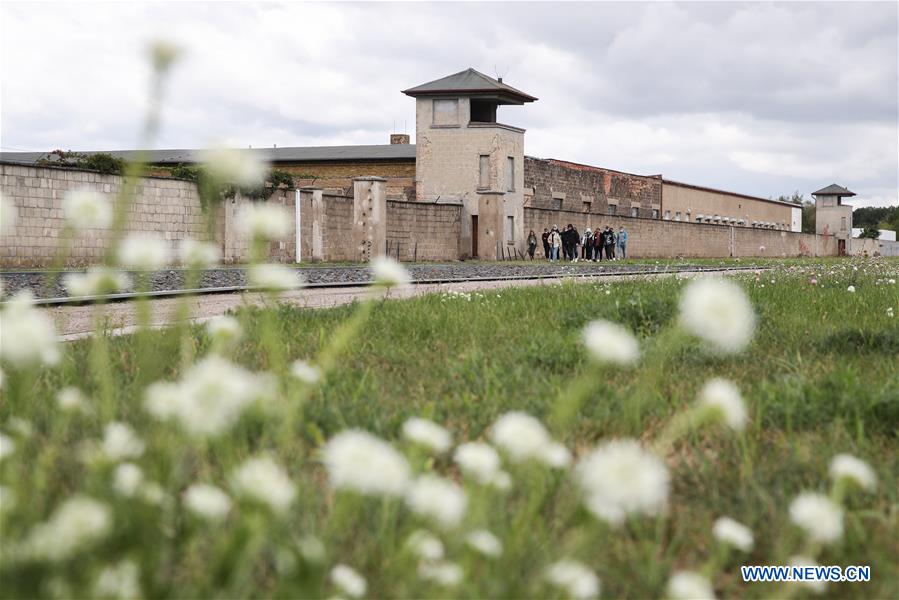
(532, 243)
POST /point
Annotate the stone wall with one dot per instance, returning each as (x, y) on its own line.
(683, 202)
(654, 238)
(555, 184)
(337, 177)
(416, 230)
(167, 208)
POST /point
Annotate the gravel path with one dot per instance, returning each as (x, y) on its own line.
(78, 321)
(173, 279)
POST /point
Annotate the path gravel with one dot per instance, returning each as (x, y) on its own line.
(173, 279)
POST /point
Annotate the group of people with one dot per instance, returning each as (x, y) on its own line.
(591, 246)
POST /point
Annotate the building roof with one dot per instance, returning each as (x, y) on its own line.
(728, 193)
(471, 83)
(833, 190)
(388, 152)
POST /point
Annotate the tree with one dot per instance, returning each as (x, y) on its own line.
(872, 233)
(808, 217)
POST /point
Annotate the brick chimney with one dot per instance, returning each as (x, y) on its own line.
(399, 138)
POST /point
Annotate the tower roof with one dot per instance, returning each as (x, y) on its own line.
(833, 190)
(471, 83)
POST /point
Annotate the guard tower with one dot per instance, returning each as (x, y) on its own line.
(463, 154)
(832, 217)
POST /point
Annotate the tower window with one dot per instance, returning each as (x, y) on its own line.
(483, 111)
(510, 229)
(446, 112)
(510, 174)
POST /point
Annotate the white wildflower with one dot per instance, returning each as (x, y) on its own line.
(75, 524)
(207, 502)
(262, 480)
(389, 273)
(719, 312)
(818, 586)
(502, 481)
(425, 545)
(7, 446)
(235, 166)
(121, 581)
(611, 343)
(305, 372)
(274, 277)
(574, 578)
(722, 399)
(360, 462)
(438, 499)
(687, 585)
(164, 53)
(224, 330)
(522, 436)
(733, 533)
(620, 478)
(265, 221)
(851, 289)
(819, 516)
(209, 399)
(84, 209)
(120, 442)
(198, 255)
(127, 479)
(349, 581)
(96, 281)
(846, 466)
(484, 542)
(443, 573)
(479, 461)
(143, 253)
(556, 456)
(428, 434)
(28, 334)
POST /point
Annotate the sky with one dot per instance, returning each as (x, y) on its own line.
(760, 98)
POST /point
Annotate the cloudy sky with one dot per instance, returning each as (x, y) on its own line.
(761, 98)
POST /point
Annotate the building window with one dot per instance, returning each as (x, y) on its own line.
(843, 223)
(667, 215)
(586, 207)
(484, 171)
(557, 203)
(446, 112)
(510, 229)
(655, 213)
(634, 210)
(677, 216)
(510, 174)
(613, 209)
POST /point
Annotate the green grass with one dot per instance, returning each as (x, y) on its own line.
(820, 377)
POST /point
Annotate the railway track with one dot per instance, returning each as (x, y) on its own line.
(205, 291)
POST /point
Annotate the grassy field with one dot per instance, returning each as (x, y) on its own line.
(820, 377)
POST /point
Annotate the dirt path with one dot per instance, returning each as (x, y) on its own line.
(74, 322)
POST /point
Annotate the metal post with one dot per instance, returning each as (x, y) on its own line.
(299, 222)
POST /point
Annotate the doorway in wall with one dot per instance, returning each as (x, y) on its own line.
(474, 236)
(841, 247)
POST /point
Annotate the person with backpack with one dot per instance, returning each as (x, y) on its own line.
(545, 243)
(608, 241)
(532, 243)
(622, 242)
(587, 245)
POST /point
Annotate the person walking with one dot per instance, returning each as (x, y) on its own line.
(545, 243)
(597, 245)
(532, 243)
(587, 245)
(622, 242)
(555, 242)
(608, 241)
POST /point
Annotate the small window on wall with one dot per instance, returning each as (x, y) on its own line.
(677, 216)
(634, 211)
(510, 174)
(655, 213)
(556, 204)
(510, 229)
(484, 175)
(613, 209)
(446, 112)
(667, 215)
